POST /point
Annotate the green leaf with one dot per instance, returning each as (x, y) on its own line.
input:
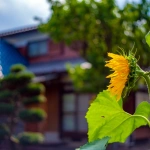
(96, 145)
(106, 117)
(147, 37)
(120, 102)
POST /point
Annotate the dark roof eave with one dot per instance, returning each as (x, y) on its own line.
(58, 66)
(17, 31)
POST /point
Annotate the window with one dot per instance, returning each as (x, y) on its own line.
(141, 96)
(74, 109)
(68, 112)
(38, 48)
(82, 105)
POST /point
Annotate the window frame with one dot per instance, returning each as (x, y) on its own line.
(75, 113)
(37, 41)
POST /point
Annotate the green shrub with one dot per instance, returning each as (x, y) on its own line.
(1, 85)
(16, 79)
(33, 89)
(32, 115)
(4, 131)
(6, 108)
(5, 95)
(11, 78)
(17, 68)
(34, 100)
(24, 77)
(30, 138)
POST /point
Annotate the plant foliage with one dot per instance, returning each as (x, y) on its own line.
(33, 89)
(17, 90)
(26, 138)
(5, 95)
(6, 108)
(96, 145)
(32, 115)
(17, 68)
(34, 100)
(4, 131)
(107, 118)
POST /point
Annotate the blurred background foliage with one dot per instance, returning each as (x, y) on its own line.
(27, 138)
(94, 28)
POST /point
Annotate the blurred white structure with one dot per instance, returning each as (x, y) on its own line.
(1, 74)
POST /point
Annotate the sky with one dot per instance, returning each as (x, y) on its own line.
(20, 13)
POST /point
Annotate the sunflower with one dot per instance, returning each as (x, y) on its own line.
(118, 79)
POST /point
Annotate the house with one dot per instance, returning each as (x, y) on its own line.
(47, 60)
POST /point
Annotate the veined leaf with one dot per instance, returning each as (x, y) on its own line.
(105, 117)
(96, 145)
(147, 37)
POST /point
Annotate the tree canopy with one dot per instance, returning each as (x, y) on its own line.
(96, 27)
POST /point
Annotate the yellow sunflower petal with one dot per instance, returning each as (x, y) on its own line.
(120, 65)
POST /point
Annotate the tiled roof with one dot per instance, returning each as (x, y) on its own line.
(16, 31)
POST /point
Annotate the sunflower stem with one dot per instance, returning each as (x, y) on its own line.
(147, 80)
(147, 73)
(146, 77)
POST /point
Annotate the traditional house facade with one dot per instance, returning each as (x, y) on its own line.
(47, 60)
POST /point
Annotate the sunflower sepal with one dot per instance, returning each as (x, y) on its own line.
(135, 73)
(126, 92)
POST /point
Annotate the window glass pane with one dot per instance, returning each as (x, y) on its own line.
(141, 96)
(82, 123)
(69, 103)
(83, 102)
(68, 122)
(33, 48)
(38, 48)
(43, 46)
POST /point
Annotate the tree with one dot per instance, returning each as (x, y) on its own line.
(96, 28)
(17, 93)
(135, 21)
